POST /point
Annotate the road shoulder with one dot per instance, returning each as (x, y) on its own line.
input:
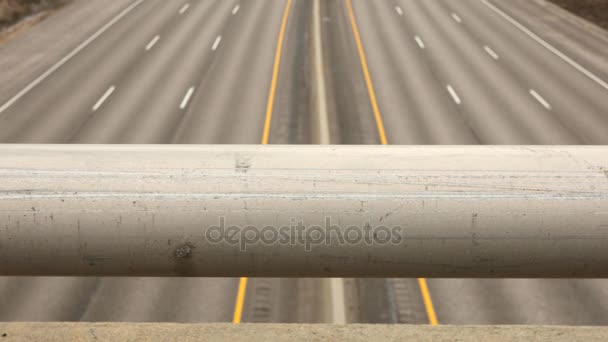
(26, 56)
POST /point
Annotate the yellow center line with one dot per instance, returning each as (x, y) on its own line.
(240, 301)
(424, 289)
(366, 74)
(428, 301)
(275, 74)
(242, 291)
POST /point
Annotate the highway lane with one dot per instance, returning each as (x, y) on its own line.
(194, 72)
(199, 72)
(469, 72)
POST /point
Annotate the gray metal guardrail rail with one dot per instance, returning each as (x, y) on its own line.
(315, 211)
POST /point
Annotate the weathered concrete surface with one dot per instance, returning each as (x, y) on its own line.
(265, 332)
(481, 212)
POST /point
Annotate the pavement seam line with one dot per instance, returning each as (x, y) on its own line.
(322, 116)
(426, 295)
(242, 291)
(323, 137)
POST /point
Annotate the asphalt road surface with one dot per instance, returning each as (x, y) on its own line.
(241, 71)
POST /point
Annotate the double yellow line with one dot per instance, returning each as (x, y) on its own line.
(242, 291)
(424, 288)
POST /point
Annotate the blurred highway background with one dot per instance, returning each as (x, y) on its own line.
(243, 72)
